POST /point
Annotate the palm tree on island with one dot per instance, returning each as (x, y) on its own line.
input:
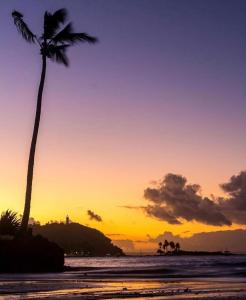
(175, 248)
(172, 245)
(53, 44)
(159, 251)
(165, 246)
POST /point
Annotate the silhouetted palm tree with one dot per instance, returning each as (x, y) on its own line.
(165, 246)
(177, 247)
(172, 245)
(159, 251)
(9, 223)
(53, 44)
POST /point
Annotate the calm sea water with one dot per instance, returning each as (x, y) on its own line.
(98, 276)
(168, 266)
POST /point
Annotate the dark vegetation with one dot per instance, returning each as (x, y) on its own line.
(168, 248)
(26, 253)
(9, 223)
(30, 254)
(42, 248)
(77, 239)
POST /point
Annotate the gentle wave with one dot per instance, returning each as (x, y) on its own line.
(166, 266)
(133, 277)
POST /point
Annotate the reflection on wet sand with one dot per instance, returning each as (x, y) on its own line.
(133, 277)
(115, 289)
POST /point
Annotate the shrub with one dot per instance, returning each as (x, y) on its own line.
(9, 223)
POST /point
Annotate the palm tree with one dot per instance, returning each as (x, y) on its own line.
(172, 245)
(165, 246)
(9, 223)
(53, 44)
(177, 247)
(159, 251)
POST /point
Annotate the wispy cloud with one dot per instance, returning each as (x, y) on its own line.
(115, 234)
(132, 207)
(94, 216)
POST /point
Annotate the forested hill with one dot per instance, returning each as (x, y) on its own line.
(77, 238)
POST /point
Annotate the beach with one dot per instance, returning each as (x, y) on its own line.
(145, 277)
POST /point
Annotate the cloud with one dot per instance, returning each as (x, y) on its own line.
(94, 216)
(232, 240)
(115, 234)
(126, 245)
(160, 212)
(131, 207)
(173, 201)
(141, 241)
(234, 206)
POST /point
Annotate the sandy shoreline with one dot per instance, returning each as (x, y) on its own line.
(133, 278)
(102, 288)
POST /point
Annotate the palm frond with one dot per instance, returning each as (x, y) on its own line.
(22, 27)
(9, 223)
(58, 53)
(66, 35)
(77, 37)
(60, 15)
(53, 21)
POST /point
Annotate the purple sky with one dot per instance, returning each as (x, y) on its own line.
(163, 91)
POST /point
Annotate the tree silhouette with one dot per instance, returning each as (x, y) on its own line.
(9, 223)
(165, 245)
(53, 44)
(159, 251)
(177, 247)
(172, 245)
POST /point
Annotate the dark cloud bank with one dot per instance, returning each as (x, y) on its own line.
(233, 240)
(94, 216)
(175, 201)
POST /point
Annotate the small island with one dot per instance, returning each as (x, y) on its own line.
(171, 248)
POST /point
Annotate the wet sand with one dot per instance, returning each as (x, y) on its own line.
(120, 288)
(133, 278)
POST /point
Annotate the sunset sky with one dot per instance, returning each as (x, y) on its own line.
(162, 92)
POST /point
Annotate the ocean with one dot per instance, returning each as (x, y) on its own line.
(133, 276)
(168, 266)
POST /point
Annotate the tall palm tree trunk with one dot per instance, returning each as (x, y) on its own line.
(26, 213)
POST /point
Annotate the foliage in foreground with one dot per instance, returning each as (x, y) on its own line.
(9, 223)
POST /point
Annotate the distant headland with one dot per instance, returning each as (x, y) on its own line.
(78, 240)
